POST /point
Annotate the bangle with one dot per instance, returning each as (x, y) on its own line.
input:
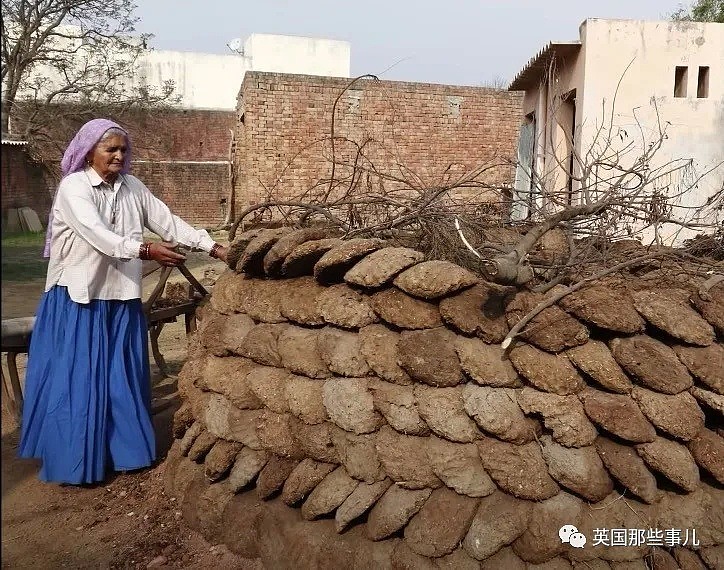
(214, 249)
(144, 252)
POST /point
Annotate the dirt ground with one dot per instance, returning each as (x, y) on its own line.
(125, 522)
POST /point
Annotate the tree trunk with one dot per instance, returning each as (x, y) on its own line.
(511, 268)
(5, 116)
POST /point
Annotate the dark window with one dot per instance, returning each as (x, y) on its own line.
(702, 85)
(568, 110)
(680, 76)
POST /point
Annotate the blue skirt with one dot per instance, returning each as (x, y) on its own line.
(87, 389)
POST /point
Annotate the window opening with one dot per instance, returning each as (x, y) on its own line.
(680, 76)
(702, 85)
(525, 171)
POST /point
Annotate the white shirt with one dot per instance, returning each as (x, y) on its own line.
(97, 231)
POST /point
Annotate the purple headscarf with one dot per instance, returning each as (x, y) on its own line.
(74, 157)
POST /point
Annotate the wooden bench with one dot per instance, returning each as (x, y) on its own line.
(15, 340)
(16, 333)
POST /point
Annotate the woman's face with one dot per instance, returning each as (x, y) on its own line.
(107, 156)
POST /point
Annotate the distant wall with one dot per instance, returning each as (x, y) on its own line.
(646, 99)
(432, 130)
(193, 191)
(181, 155)
(205, 80)
(297, 54)
(24, 182)
(212, 81)
(177, 134)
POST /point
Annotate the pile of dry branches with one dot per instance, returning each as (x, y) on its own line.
(614, 192)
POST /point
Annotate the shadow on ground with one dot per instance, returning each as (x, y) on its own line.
(123, 522)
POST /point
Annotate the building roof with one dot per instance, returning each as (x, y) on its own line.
(14, 142)
(536, 67)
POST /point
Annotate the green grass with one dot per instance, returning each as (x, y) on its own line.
(22, 257)
(24, 239)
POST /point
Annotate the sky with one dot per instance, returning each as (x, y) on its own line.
(457, 42)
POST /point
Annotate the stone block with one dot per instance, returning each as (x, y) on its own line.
(350, 405)
(444, 411)
(405, 312)
(344, 307)
(434, 279)
(382, 266)
(429, 357)
(517, 469)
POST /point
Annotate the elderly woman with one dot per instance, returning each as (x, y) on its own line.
(87, 387)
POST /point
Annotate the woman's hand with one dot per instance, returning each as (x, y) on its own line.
(221, 253)
(165, 254)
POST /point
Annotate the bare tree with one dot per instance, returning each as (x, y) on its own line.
(496, 82)
(67, 60)
(620, 187)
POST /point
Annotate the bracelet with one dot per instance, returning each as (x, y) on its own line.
(144, 252)
(215, 248)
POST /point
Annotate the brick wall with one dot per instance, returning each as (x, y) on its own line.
(158, 133)
(194, 192)
(431, 132)
(181, 155)
(24, 182)
(181, 134)
(412, 130)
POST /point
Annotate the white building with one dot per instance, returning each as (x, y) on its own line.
(209, 81)
(203, 80)
(626, 79)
